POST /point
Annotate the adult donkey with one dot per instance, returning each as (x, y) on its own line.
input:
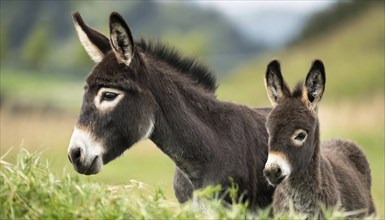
(140, 90)
(309, 173)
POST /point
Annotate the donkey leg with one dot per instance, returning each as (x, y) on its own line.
(182, 186)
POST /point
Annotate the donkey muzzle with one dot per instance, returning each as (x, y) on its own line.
(85, 153)
(273, 174)
(277, 168)
(76, 157)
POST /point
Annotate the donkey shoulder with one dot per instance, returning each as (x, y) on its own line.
(349, 150)
(352, 172)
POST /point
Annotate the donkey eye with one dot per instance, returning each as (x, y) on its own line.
(108, 96)
(301, 136)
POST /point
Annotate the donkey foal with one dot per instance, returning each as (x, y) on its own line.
(309, 174)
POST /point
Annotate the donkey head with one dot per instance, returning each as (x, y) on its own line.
(117, 109)
(293, 124)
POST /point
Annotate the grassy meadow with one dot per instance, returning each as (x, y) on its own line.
(38, 112)
(30, 190)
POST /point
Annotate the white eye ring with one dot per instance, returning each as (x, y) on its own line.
(299, 137)
(103, 104)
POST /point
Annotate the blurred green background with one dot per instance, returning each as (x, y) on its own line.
(43, 67)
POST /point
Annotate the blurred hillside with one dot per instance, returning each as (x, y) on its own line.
(325, 21)
(352, 50)
(40, 35)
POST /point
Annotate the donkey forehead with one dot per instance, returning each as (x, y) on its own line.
(110, 72)
(110, 66)
(291, 113)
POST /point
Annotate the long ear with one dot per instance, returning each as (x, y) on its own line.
(121, 39)
(276, 87)
(314, 85)
(95, 43)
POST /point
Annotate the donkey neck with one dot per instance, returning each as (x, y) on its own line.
(309, 175)
(183, 129)
(314, 183)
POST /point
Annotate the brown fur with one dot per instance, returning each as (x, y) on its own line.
(335, 173)
(208, 140)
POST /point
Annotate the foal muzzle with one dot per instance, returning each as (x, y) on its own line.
(274, 174)
(277, 168)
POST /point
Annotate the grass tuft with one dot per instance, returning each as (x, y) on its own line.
(30, 190)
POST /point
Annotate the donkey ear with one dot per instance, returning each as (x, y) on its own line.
(95, 43)
(276, 87)
(121, 39)
(314, 85)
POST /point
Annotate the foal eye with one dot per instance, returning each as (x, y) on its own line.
(108, 96)
(301, 136)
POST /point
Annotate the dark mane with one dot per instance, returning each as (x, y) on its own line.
(297, 91)
(187, 66)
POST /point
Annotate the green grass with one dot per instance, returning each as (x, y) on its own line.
(41, 89)
(30, 190)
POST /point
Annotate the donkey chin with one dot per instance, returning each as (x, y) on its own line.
(85, 153)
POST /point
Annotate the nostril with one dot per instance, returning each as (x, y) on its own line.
(274, 172)
(75, 155)
(279, 172)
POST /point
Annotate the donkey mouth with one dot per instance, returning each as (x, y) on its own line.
(275, 181)
(94, 168)
(280, 179)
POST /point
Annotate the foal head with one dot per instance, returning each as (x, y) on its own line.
(293, 124)
(118, 109)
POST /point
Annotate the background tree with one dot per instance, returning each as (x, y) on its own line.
(37, 45)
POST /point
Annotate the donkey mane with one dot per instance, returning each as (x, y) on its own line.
(189, 67)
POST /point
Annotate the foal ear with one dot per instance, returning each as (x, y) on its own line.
(276, 87)
(121, 39)
(95, 43)
(314, 85)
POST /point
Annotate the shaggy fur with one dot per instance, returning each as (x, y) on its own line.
(335, 173)
(208, 140)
